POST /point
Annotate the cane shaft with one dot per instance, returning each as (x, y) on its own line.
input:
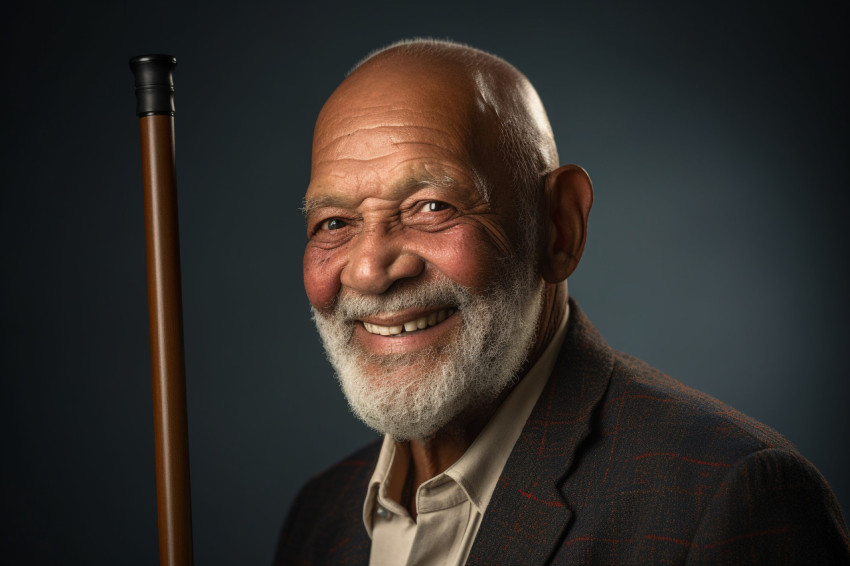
(155, 108)
(166, 333)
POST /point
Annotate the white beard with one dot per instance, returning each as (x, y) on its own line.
(412, 396)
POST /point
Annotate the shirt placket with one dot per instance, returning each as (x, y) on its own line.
(442, 515)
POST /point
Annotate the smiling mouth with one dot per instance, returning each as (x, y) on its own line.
(412, 325)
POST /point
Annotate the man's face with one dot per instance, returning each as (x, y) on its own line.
(411, 266)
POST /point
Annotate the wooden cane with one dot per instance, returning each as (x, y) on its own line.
(155, 108)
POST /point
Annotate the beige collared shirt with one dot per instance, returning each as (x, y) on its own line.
(449, 506)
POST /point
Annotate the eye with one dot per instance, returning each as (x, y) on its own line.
(434, 206)
(332, 224)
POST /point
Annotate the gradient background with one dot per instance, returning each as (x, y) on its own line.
(716, 136)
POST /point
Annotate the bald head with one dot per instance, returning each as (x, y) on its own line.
(503, 92)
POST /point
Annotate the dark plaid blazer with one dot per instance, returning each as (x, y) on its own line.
(617, 464)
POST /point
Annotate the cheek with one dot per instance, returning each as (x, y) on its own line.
(321, 277)
(464, 257)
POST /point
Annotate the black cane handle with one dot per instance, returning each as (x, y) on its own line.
(154, 84)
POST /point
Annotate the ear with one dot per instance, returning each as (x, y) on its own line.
(568, 197)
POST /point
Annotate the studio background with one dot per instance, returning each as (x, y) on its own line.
(716, 135)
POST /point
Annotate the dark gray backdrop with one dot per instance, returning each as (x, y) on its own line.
(716, 136)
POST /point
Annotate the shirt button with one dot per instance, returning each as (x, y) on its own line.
(383, 513)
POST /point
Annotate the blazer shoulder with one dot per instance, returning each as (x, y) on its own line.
(679, 414)
(775, 507)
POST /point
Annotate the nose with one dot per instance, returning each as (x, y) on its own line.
(377, 260)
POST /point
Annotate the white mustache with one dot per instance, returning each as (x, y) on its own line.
(351, 307)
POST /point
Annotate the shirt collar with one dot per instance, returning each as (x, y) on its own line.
(393, 459)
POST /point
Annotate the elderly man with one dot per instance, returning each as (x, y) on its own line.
(441, 234)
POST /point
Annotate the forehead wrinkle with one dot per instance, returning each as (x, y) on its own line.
(396, 135)
(460, 152)
(346, 114)
(388, 114)
(415, 168)
(341, 162)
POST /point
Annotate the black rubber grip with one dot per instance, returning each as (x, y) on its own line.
(154, 84)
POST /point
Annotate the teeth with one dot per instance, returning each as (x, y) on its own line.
(410, 325)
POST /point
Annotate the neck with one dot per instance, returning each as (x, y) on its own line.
(434, 455)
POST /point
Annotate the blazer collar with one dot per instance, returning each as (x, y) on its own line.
(528, 517)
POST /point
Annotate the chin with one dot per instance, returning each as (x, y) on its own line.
(415, 394)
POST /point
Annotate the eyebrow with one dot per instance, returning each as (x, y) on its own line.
(401, 190)
(308, 206)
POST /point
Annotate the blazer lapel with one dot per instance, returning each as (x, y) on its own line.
(528, 516)
(353, 544)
